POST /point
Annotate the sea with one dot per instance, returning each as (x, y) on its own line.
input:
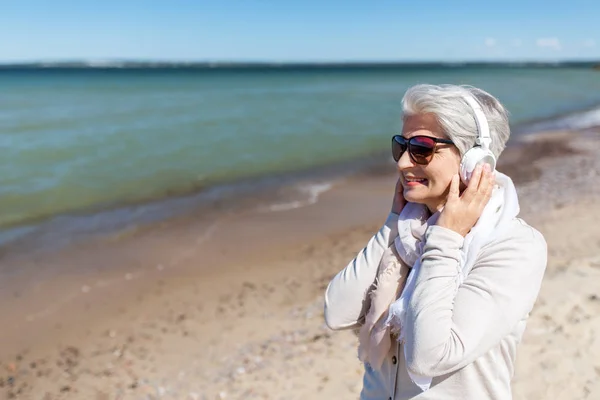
(88, 150)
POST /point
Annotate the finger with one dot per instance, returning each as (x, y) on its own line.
(484, 194)
(399, 187)
(471, 189)
(484, 182)
(492, 184)
(399, 201)
(484, 179)
(454, 192)
(487, 189)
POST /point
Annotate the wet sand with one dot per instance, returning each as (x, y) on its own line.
(229, 304)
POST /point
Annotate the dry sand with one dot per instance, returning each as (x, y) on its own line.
(231, 306)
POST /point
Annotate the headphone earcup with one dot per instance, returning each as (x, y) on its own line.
(472, 159)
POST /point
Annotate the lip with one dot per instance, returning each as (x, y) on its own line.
(414, 183)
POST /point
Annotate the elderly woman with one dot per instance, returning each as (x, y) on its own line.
(441, 294)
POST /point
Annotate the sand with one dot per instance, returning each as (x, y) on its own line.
(230, 306)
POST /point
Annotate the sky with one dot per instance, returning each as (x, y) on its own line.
(299, 31)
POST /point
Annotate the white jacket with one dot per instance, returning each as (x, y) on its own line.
(466, 340)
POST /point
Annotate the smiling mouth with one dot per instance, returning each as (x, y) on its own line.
(415, 181)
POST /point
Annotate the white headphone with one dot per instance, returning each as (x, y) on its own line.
(480, 153)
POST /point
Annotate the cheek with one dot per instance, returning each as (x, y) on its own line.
(440, 183)
(448, 167)
(445, 185)
(441, 178)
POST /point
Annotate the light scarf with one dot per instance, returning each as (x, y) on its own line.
(387, 312)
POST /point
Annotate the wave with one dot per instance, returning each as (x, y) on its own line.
(580, 120)
(313, 191)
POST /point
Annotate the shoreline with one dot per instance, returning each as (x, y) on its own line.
(290, 189)
(210, 304)
(261, 192)
(271, 193)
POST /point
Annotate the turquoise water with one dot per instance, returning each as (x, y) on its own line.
(92, 139)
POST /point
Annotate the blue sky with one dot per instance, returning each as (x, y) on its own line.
(309, 30)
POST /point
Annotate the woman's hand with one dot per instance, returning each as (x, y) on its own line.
(461, 212)
(399, 200)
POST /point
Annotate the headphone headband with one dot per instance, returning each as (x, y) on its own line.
(483, 130)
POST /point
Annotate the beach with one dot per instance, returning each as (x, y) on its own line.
(229, 304)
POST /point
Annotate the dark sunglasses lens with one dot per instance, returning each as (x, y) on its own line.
(398, 147)
(421, 149)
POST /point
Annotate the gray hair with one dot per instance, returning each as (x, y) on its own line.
(455, 115)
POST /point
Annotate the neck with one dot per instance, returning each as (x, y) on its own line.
(434, 207)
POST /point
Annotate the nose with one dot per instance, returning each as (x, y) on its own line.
(405, 162)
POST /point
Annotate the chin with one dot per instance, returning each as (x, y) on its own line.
(414, 198)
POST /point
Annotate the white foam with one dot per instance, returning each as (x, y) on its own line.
(582, 120)
(208, 233)
(285, 206)
(313, 191)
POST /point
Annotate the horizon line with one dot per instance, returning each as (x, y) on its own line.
(127, 62)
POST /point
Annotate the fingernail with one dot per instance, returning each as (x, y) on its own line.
(487, 168)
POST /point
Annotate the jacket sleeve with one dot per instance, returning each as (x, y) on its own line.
(346, 293)
(449, 328)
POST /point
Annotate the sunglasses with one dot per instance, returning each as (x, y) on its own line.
(420, 148)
